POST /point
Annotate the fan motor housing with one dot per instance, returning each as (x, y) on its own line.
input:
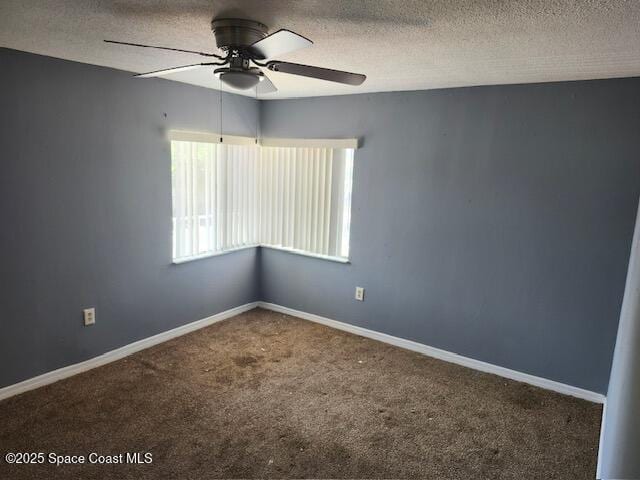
(233, 33)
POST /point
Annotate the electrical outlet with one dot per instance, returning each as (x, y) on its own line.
(360, 294)
(89, 316)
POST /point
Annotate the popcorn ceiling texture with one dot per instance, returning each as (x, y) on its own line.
(408, 45)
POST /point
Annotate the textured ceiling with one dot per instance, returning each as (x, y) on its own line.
(399, 45)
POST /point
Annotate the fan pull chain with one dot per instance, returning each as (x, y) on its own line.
(220, 105)
(258, 119)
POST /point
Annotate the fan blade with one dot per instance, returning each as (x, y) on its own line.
(166, 71)
(204, 54)
(278, 43)
(266, 86)
(317, 72)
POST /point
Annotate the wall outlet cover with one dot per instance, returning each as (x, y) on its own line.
(89, 316)
(360, 294)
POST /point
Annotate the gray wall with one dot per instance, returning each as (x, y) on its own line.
(620, 454)
(85, 212)
(494, 222)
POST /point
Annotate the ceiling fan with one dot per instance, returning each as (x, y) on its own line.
(246, 42)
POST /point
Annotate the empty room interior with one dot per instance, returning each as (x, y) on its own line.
(320, 239)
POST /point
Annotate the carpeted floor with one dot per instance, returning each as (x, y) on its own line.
(270, 396)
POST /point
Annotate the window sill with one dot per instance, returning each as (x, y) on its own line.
(308, 254)
(178, 261)
(302, 253)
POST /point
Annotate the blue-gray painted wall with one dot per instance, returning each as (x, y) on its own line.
(494, 222)
(85, 212)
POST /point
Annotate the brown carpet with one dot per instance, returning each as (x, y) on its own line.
(267, 395)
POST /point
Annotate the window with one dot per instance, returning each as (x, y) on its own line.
(214, 197)
(306, 199)
(287, 194)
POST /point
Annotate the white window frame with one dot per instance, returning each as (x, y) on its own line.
(349, 145)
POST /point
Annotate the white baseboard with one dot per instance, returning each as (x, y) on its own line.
(113, 355)
(443, 354)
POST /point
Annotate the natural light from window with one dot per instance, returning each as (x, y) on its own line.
(228, 196)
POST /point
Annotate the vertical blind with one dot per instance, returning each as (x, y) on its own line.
(306, 199)
(215, 197)
(228, 196)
